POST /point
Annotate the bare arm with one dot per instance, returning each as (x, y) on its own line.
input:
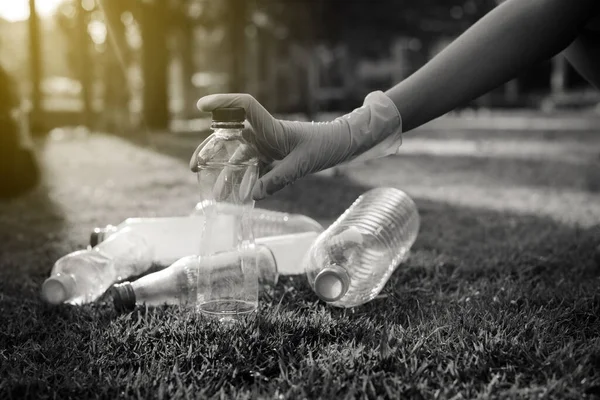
(515, 35)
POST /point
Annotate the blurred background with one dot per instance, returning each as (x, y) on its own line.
(130, 65)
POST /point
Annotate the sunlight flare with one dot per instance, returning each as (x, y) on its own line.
(18, 10)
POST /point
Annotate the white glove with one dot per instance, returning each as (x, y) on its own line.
(371, 131)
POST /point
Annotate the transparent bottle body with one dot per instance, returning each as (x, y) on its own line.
(178, 284)
(87, 274)
(175, 237)
(267, 223)
(228, 177)
(365, 244)
(171, 236)
(91, 271)
(175, 285)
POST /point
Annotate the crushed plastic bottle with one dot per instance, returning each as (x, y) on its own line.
(170, 238)
(264, 223)
(177, 284)
(351, 261)
(83, 276)
(267, 222)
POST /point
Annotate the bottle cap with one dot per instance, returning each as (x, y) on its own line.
(123, 296)
(97, 236)
(331, 284)
(58, 288)
(229, 114)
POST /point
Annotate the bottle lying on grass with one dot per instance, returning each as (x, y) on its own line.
(179, 283)
(264, 223)
(351, 261)
(83, 276)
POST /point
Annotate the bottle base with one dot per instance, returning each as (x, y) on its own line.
(227, 310)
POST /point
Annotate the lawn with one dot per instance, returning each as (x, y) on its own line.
(499, 298)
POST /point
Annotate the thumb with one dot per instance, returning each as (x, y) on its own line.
(256, 114)
(285, 172)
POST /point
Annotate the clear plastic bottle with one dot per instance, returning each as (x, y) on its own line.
(83, 276)
(177, 284)
(264, 223)
(227, 172)
(268, 222)
(170, 238)
(351, 261)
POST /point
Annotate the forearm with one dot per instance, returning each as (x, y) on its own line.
(515, 35)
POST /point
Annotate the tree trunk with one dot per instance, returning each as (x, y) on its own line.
(116, 116)
(237, 35)
(85, 68)
(35, 64)
(155, 57)
(188, 64)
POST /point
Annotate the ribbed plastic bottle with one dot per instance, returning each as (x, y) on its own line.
(227, 171)
(177, 284)
(83, 276)
(264, 223)
(351, 261)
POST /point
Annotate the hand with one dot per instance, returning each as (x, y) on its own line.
(371, 131)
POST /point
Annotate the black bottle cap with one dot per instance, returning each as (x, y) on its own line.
(229, 114)
(123, 296)
(95, 237)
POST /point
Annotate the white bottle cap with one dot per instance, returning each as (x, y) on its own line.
(331, 283)
(58, 288)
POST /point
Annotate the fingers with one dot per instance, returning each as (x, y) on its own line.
(194, 159)
(212, 101)
(256, 114)
(223, 185)
(284, 173)
(246, 183)
(234, 183)
(266, 133)
(236, 174)
(244, 154)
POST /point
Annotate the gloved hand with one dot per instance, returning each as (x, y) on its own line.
(371, 131)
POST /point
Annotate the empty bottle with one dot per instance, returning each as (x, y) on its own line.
(227, 172)
(83, 276)
(169, 239)
(264, 223)
(268, 222)
(351, 261)
(177, 284)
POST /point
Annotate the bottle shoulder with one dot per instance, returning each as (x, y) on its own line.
(226, 146)
(126, 243)
(81, 259)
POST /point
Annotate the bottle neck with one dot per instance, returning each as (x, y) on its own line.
(59, 288)
(227, 128)
(123, 296)
(228, 134)
(267, 265)
(332, 283)
(99, 235)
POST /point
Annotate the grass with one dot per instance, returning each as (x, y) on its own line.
(495, 300)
